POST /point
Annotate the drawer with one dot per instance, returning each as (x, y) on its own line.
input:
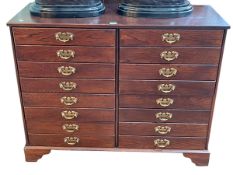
(64, 36)
(67, 140)
(151, 37)
(169, 71)
(69, 70)
(68, 100)
(185, 55)
(67, 85)
(168, 116)
(167, 87)
(150, 142)
(170, 102)
(168, 129)
(66, 54)
(69, 114)
(59, 127)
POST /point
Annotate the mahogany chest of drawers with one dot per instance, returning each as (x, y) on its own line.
(118, 83)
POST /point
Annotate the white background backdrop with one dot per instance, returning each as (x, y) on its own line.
(66, 162)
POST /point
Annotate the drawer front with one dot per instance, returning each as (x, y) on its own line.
(163, 72)
(142, 142)
(69, 115)
(61, 141)
(150, 37)
(170, 102)
(67, 85)
(66, 54)
(68, 100)
(64, 36)
(82, 129)
(167, 87)
(186, 55)
(69, 70)
(151, 129)
(161, 116)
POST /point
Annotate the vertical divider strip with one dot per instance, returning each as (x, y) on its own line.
(117, 50)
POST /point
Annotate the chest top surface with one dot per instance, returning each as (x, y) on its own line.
(202, 17)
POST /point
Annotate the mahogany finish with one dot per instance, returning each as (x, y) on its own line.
(54, 100)
(84, 141)
(151, 72)
(187, 55)
(152, 37)
(90, 86)
(178, 116)
(148, 129)
(118, 62)
(46, 36)
(147, 142)
(52, 115)
(82, 54)
(180, 102)
(50, 70)
(205, 88)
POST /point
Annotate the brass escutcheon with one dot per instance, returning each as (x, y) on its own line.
(168, 72)
(171, 38)
(161, 143)
(169, 55)
(66, 70)
(70, 127)
(65, 54)
(68, 101)
(67, 86)
(166, 88)
(162, 129)
(71, 140)
(64, 36)
(163, 116)
(164, 102)
(69, 115)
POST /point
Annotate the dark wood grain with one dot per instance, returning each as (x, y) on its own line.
(202, 17)
(187, 55)
(52, 85)
(180, 102)
(147, 142)
(150, 37)
(178, 116)
(151, 72)
(82, 54)
(58, 140)
(54, 100)
(199, 159)
(46, 36)
(177, 129)
(32, 155)
(85, 129)
(181, 87)
(54, 114)
(49, 70)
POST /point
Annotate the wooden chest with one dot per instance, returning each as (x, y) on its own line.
(118, 83)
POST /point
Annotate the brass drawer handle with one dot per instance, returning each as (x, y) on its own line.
(66, 70)
(68, 101)
(164, 102)
(168, 72)
(70, 127)
(163, 129)
(171, 38)
(161, 143)
(169, 55)
(65, 54)
(69, 115)
(64, 36)
(67, 86)
(163, 116)
(166, 88)
(71, 140)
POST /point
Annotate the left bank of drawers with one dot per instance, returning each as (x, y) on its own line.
(67, 78)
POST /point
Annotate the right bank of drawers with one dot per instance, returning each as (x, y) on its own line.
(167, 82)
